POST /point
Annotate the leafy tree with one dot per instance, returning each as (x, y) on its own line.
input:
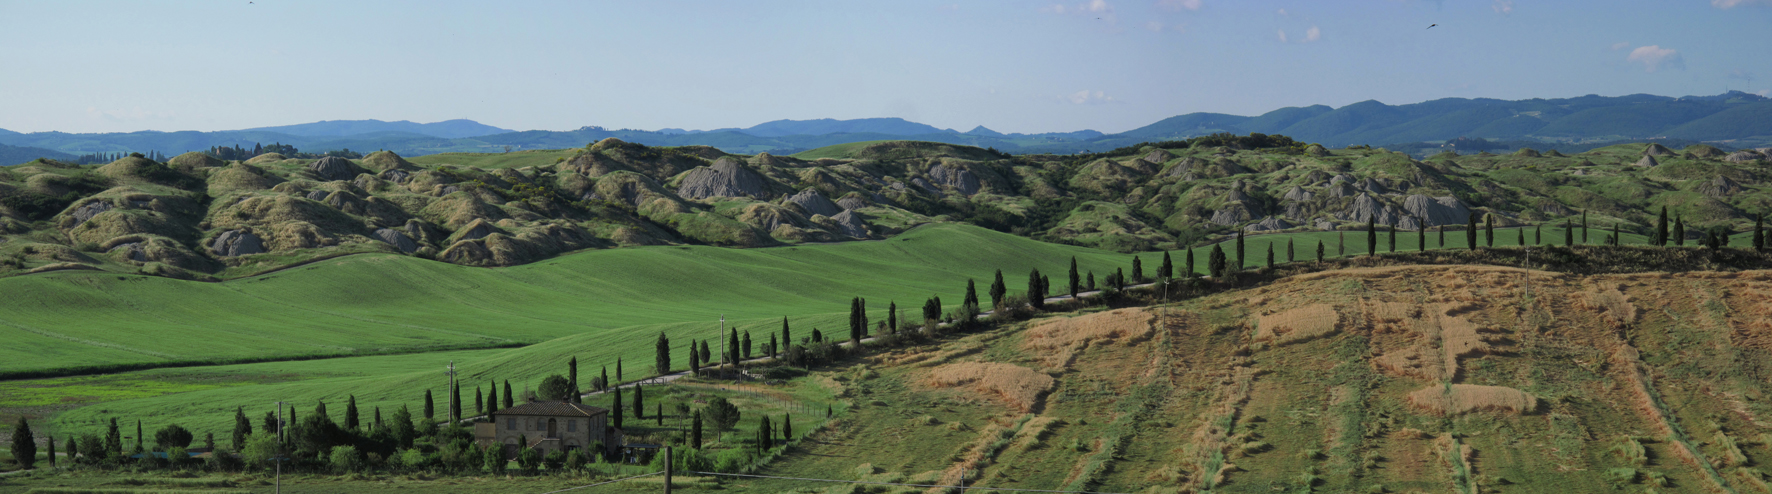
(351, 412)
(575, 460)
(24, 445)
(721, 414)
(554, 388)
(172, 436)
(998, 290)
(403, 429)
(344, 459)
(494, 460)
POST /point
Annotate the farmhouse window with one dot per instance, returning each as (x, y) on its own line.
(511, 424)
(571, 426)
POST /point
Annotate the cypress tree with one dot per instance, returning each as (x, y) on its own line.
(73, 448)
(138, 432)
(491, 398)
(891, 318)
(1568, 233)
(510, 398)
(1371, 239)
(1538, 234)
(661, 360)
(479, 402)
(774, 348)
(1270, 255)
(1421, 238)
(1616, 239)
(1137, 270)
(764, 435)
(972, 293)
(639, 402)
(787, 427)
(998, 289)
(1120, 278)
(377, 417)
(707, 355)
(615, 409)
(618, 369)
(744, 344)
(24, 446)
(1521, 241)
(1442, 242)
(1661, 228)
(1075, 278)
(1584, 226)
(1489, 230)
(455, 402)
(1215, 263)
(1189, 262)
(1165, 271)
(1340, 243)
(1240, 263)
(732, 343)
(1291, 255)
(854, 319)
(51, 441)
(695, 431)
(1091, 278)
(242, 428)
(1319, 251)
(351, 413)
(114, 436)
(1759, 232)
(1392, 229)
(787, 337)
(430, 410)
(572, 372)
(658, 413)
(1679, 231)
(694, 360)
(1036, 293)
(1470, 232)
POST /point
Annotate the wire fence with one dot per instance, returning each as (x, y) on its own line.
(604, 482)
(926, 486)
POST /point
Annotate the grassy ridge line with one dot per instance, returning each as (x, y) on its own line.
(373, 303)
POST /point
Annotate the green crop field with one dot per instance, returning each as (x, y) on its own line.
(838, 151)
(514, 159)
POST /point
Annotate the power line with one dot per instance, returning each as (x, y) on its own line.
(897, 484)
(604, 483)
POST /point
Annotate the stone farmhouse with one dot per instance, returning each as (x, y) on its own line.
(549, 426)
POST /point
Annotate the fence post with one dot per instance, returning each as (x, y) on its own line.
(667, 452)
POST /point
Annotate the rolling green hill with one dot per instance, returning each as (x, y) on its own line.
(378, 302)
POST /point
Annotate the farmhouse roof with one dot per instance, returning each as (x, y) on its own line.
(553, 409)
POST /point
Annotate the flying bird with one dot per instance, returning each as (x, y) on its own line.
(1431, 26)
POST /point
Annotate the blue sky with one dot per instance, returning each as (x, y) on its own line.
(1012, 66)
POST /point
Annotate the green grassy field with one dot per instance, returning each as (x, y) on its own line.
(514, 159)
(378, 302)
(838, 151)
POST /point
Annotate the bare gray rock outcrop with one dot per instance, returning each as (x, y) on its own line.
(728, 177)
(1436, 211)
(89, 210)
(333, 168)
(1373, 186)
(1718, 187)
(1658, 150)
(1367, 209)
(1157, 157)
(1648, 162)
(475, 230)
(1342, 189)
(396, 239)
(1268, 224)
(815, 202)
(1297, 194)
(851, 224)
(959, 179)
(233, 243)
(1744, 156)
(853, 202)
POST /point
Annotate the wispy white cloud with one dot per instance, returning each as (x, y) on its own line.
(1729, 4)
(1153, 26)
(1087, 97)
(1100, 6)
(1283, 13)
(1312, 34)
(1100, 9)
(1503, 7)
(1620, 45)
(1654, 57)
(1179, 5)
(1282, 35)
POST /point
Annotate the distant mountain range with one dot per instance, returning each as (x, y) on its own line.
(1733, 119)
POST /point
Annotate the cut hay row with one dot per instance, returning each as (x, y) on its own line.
(1058, 341)
(1459, 399)
(1297, 325)
(1649, 403)
(1458, 457)
(1021, 387)
(1205, 452)
(981, 453)
(1612, 305)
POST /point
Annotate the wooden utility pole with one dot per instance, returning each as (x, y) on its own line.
(667, 452)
